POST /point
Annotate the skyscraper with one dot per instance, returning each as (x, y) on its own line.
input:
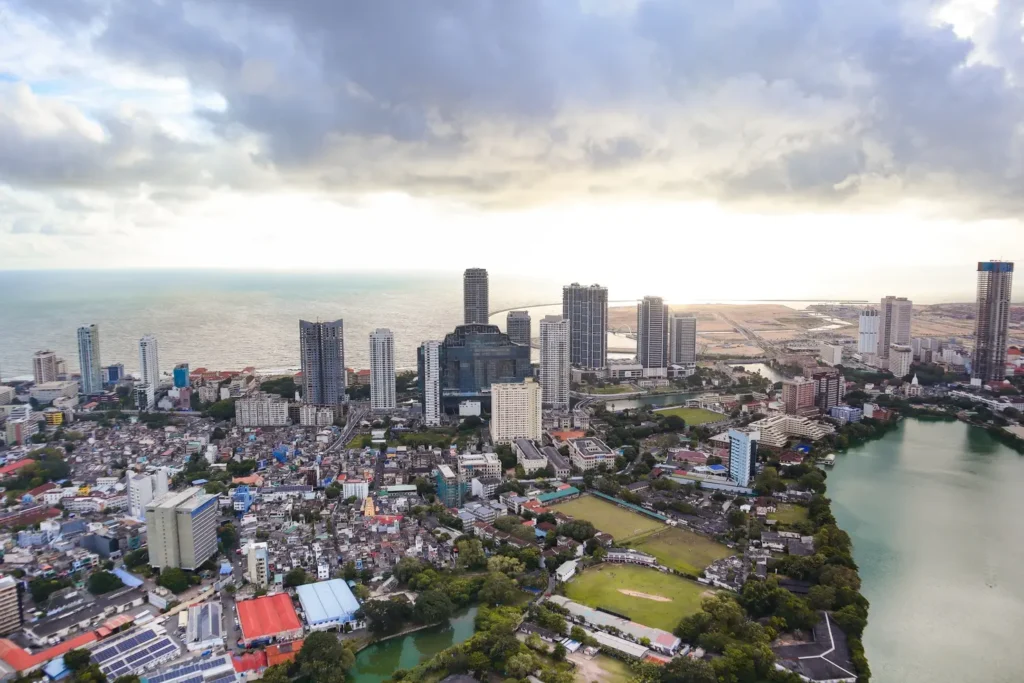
(652, 332)
(586, 309)
(867, 332)
(474, 357)
(518, 327)
(429, 365)
(475, 296)
(683, 339)
(995, 280)
(894, 314)
(554, 361)
(382, 369)
(743, 454)
(322, 347)
(44, 366)
(182, 377)
(516, 412)
(89, 359)
(149, 361)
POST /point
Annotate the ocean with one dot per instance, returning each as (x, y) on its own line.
(231, 319)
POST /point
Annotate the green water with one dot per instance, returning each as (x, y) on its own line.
(933, 510)
(377, 662)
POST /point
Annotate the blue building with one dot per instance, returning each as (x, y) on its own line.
(112, 374)
(449, 493)
(846, 414)
(474, 357)
(182, 378)
(242, 499)
(743, 455)
(327, 604)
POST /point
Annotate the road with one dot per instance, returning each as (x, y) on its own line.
(356, 412)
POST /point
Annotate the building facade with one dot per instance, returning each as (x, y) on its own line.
(798, 394)
(743, 454)
(475, 296)
(652, 332)
(447, 485)
(44, 367)
(182, 529)
(682, 339)
(554, 361)
(89, 359)
(519, 327)
(258, 561)
(900, 358)
(516, 411)
(322, 349)
(473, 358)
(262, 410)
(894, 316)
(182, 378)
(142, 489)
(829, 389)
(10, 605)
(590, 453)
(382, 369)
(586, 309)
(831, 354)
(428, 358)
(995, 280)
(867, 331)
(149, 361)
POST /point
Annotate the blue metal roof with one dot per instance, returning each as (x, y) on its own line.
(327, 601)
(127, 578)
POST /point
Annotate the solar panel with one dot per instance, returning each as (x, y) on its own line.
(103, 655)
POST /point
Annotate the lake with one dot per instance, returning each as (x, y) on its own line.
(933, 509)
(378, 662)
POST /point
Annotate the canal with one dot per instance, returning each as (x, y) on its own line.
(933, 511)
(378, 662)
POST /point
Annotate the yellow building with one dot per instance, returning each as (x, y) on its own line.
(54, 418)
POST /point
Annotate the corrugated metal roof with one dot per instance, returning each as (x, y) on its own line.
(327, 601)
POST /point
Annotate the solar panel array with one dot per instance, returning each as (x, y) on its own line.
(123, 645)
(194, 668)
(139, 658)
(226, 678)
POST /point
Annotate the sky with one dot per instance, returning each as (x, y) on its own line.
(772, 146)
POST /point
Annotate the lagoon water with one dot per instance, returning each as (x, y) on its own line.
(934, 512)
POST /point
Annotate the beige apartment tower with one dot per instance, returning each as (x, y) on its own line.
(182, 529)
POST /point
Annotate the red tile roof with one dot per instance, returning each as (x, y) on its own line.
(283, 652)
(15, 466)
(267, 616)
(21, 660)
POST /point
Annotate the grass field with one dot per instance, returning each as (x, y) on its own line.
(610, 518)
(682, 549)
(693, 416)
(601, 586)
(610, 389)
(789, 514)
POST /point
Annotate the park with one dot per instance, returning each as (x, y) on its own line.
(692, 416)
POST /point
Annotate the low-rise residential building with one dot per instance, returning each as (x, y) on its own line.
(485, 487)
(847, 414)
(529, 456)
(778, 429)
(558, 462)
(590, 453)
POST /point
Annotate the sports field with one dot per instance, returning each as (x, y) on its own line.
(645, 595)
(682, 549)
(693, 416)
(610, 518)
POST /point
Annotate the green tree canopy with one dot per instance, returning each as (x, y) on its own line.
(173, 579)
(498, 589)
(432, 607)
(323, 659)
(103, 582)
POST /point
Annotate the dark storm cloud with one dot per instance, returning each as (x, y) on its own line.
(822, 100)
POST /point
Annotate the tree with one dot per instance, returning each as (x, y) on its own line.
(579, 529)
(520, 665)
(324, 659)
(406, 568)
(498, 589)
(296, 577)
(222, 410)
(737, 518)
(432, 607)
(103, 582)
(76, 660)
(333, 491)
(349, 572)
(768, 482)
(578, 634)
(686, 670)
(479, 663)
(506, 565)
(215, 487)
(136, 558)
(274, 674)
(559, 652)
(673, 423)
(41, 589)
(471, 554)
(361, 592)
(173, 579)
(384, 616)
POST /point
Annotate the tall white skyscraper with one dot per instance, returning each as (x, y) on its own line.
(89, 359)
(652, 332)
(682, 339)
(430, 377)
(149, 361)
(554, 361)
(322, 349)
(867, 332)
(44, 366)
(382, 369)
(995, 280)
(894, 314)
(516, 411)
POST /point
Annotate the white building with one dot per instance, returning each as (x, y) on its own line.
(382, 370)
(554, 361)
(867, 331)
(145, 395)
(529, 456)
(89, 359)
(516, 411)
(142, 489)
(589, 453)
(355, 487)
(900, 358)
(682, 339)
(149, 361)
(44, 367)
(776, 430)
(743, 454)
(471, 465)
(831, 354)
(315, 416)
(262, 410)
(430, 352)
(258, 571)
(6, 394)
(48, 392)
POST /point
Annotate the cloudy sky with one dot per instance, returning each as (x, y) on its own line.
(879, 138)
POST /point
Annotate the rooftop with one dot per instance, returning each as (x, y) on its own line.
(267, 616)
(327, 601)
